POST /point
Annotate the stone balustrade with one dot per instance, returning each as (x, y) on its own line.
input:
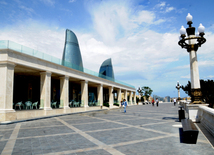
(184, 104)
(206, 117)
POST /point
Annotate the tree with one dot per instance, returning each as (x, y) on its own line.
(146, 92)
(207, 90)
(187, 89)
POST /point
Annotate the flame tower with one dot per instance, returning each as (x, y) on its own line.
(71, 55)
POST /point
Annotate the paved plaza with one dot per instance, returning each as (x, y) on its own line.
(142, 130)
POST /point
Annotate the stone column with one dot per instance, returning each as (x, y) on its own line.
(130, 97)
(134, 95)
(195, 81)
(64, 96)
(111, 99)
(179, 94)
(45, 90)
(119, 96)
(125, 95)
(84, 93)
(6, 87)
(100, 94)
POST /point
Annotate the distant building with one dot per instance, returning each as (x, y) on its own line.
(158, 97)
(167, 99)
(106, 69)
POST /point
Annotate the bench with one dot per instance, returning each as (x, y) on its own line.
(190, 131)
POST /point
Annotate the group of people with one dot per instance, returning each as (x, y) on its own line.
(155, 101)
(124, 103)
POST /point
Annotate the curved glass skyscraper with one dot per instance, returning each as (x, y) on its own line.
(71, 55)
(107, 69)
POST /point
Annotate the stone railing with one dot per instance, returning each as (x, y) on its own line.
(184, 104)
(206, 117)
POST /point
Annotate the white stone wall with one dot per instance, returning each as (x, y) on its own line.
(206, 116)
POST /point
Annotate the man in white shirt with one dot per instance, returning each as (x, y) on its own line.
(174, 101)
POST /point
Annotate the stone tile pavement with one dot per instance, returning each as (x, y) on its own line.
(142, 130)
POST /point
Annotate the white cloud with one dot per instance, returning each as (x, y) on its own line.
(205, 63)
(144, 16)
(210, 77)
(48, 2)
(37, 36)
(113, 20)
(169, 9)
(164, 7)
(71, 1)
(3, 3)
(28, 10)
(161, 4)
(186, 77)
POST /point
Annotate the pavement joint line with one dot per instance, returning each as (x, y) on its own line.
(85, 123)
(107, 129)
(5, 130)
(123, 127)
(52, 135)
(139, 117)
(202, 141)
(41, 127)
(134, 126)
(154, 123)
(74, 151)
(76, 118)
(8, 149)
(116, 120)
(139, 141)
(92, 139)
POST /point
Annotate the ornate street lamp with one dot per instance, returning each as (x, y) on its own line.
(139, 91)
(192, 46)
(178, 86)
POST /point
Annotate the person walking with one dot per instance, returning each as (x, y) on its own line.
(124, 105)
(153, 102)
(174, 101)
(157, 102)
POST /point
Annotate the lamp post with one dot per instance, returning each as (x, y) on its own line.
(192, 46)
(178, 86)
(139, 91)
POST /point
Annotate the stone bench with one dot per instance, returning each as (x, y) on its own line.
(190, 131)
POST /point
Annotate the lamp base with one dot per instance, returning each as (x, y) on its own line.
(196, 96)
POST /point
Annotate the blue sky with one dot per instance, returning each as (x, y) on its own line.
(141, 36)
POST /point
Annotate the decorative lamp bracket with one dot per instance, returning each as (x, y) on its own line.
(201, 40)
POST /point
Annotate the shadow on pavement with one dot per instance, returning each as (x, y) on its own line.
(171, 118)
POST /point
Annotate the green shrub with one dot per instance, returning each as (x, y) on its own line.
(116, 104)
(106, 104)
